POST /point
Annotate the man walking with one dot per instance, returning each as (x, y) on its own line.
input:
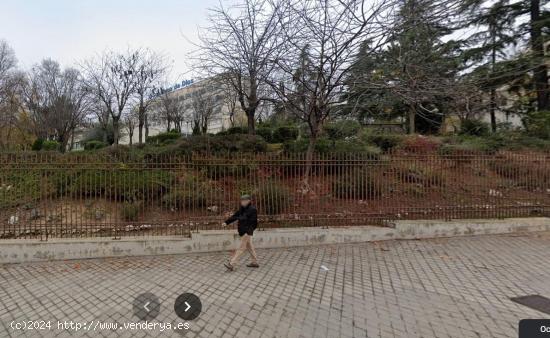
(247, 215)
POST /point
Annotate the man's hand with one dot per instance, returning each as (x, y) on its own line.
(224, 225)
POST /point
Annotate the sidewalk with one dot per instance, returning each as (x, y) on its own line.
(458, 287)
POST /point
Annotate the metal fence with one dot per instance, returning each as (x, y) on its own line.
(85, 195)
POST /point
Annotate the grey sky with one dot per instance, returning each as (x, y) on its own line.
(72, 30)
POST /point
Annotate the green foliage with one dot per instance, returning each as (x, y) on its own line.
(266, 133)
(385, 142)
(94, 145)
(538, 124)
(286, 133)
(357, 184)
(163, 138)
(130, 211)
(21, 187)
(273, 198)
(121, 184)
(341, 129)
(37, 145)
(193, 192)
(235, 130)
(50, 145)
(46, 145)
(99, 134)
(474, 128)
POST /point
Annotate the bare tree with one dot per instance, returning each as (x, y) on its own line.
(149, 71)
(240, 44)
(9, 81)
(56, 100)
(322, 36)
(206, 101)
(170, 110)
(112, 78)
(131, 121)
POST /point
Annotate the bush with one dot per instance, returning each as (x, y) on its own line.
(50, 145)
(273, 198)
(94, 145)
(359, 184)
(192, 193)
(427, 177)
(474, 128)
(21, 187)
(341, 129)
(385, 142)
(538, 124)
(285, 133)
(121, 184)
(355, 147)
(130, 211)
(163, 138)
(37, 144)
(236, 130)
(266, 133)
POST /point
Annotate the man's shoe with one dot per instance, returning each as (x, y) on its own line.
(253, 265)
(229, 266)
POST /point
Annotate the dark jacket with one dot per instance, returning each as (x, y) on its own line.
(247, 217)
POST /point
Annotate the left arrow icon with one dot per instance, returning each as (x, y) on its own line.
(146, 306)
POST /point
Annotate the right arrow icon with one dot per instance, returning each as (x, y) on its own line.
(188, 306)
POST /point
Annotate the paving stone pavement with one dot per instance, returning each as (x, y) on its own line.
(458, 287)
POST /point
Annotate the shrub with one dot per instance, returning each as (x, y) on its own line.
(427, 177)
(272, 198)
(130, 211)
(22, 187)
(359, 184)
(37, 144)
(266, 133)
(236, 130)
(474, 128)
(50, 145)
(538, 124)
(121, 184)
(163, 138)
(385, 142)
(322, 146)
(94, 145)
(192, 193)
(524, 174)
(283, 134)
(354, 146)
(341, 129)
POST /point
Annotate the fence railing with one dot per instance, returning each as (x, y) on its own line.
(85, 195)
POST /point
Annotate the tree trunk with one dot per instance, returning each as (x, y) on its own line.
(141, 122)
(493, 103)
(116, 127)
(540, 69)
(412, 116)
(146, 128)
(140, 131)
(492, 109)
(251, 122)
(309, 160)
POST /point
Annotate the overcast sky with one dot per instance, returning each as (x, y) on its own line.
(70, 31)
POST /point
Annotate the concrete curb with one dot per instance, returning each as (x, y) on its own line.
(19, 251)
